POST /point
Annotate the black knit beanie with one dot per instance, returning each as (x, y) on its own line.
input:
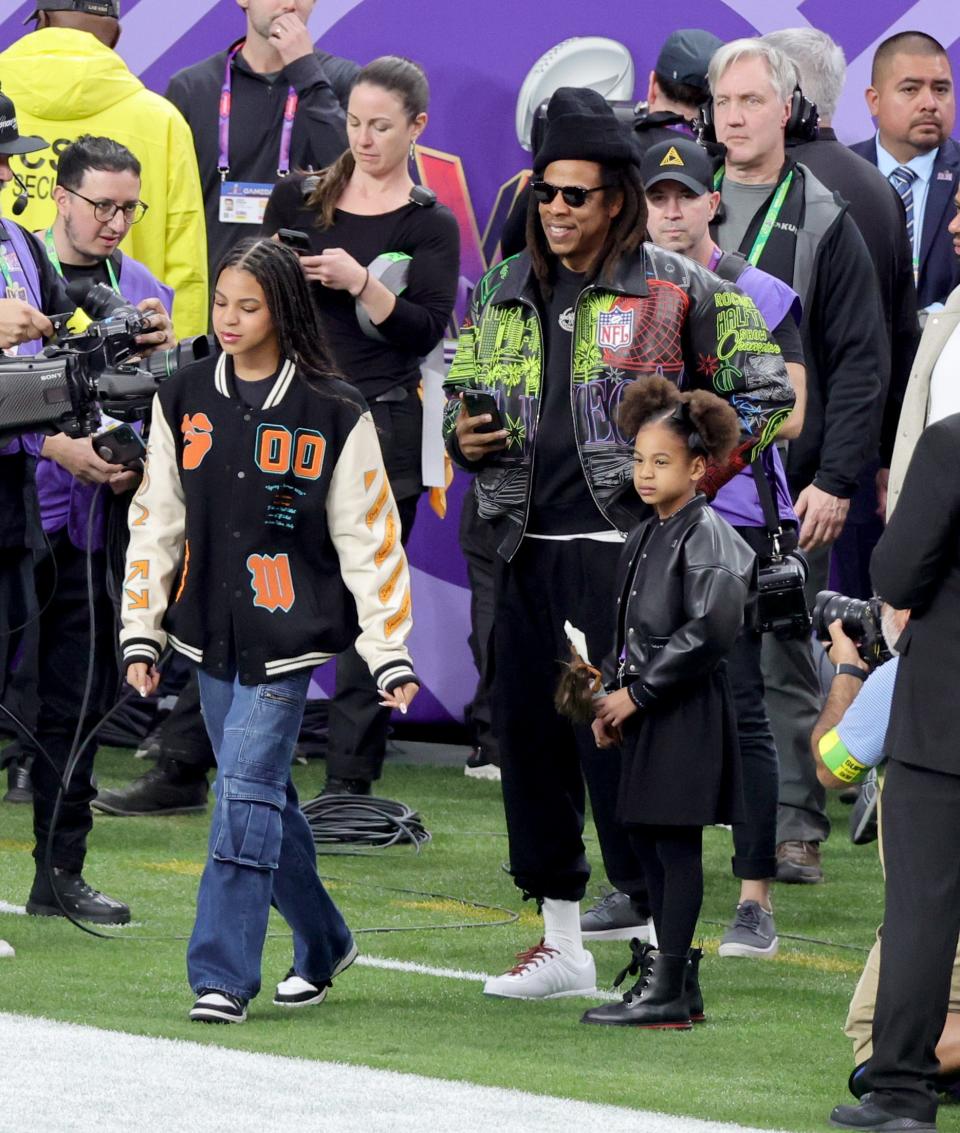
(582, 127)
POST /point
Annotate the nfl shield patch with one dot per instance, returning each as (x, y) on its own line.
(615, 329)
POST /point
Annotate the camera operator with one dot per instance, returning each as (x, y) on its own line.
(80, 243)
(917, 565)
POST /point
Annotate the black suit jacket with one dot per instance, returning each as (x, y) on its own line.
(877, 210)
(916, 566)
(939, 267)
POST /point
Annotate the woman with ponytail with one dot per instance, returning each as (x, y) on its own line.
(366, 222)
(686, 579)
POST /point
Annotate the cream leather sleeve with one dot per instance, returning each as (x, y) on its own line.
(365, 528)
(157, 522)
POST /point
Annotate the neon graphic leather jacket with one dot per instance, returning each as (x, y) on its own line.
(661, 314)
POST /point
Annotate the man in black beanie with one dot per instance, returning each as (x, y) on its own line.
(556, 334)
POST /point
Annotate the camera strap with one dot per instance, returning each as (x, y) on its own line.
(767, 504)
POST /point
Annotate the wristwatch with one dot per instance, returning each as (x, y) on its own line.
(844, 670)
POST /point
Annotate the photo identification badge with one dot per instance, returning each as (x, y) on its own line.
(243, 202)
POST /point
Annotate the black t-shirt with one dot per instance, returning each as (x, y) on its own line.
(91, 274)
(561, 502)
(418, 321)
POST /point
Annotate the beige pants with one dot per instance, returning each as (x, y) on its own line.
(859, 1025)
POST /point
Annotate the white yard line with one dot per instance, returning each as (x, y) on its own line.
(112, 1083)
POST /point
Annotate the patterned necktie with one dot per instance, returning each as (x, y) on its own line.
(902, 179)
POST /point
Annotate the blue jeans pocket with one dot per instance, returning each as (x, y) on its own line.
(251, 824)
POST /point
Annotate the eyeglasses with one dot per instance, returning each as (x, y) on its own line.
(574, 195)
(105, 211)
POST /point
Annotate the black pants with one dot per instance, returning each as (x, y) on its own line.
(755, 838)
(545, 758)
(672, 858)
(921, 925)
(478, 542)
(357, 728)
(18, 610)
(183, 735)
(65, 648)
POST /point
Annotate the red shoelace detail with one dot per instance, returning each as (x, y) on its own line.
(530, 957)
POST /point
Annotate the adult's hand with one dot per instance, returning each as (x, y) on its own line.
(822, 517)
(614, 710)
(76, 455)
(144, 678)
(19, 322)
(289, 35)
(842, 650)
(400, 697)
(473, 444)
(160, 336)
(337, 269)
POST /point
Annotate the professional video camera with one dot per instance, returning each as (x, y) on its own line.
(860, 621)
(64, 388)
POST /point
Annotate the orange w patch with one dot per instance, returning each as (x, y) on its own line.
(197, 439)
(272, 582)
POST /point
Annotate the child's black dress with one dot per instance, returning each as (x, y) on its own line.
(685, 584)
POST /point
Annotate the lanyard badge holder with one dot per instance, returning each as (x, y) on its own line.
(245, 202)
(781, 601)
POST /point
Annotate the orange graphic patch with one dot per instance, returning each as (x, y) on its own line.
(378, 504)
(389, 541)
(368, 479)
(272, 582)
(386, 591)
(197, 439)
(186, 569)
(393, 624)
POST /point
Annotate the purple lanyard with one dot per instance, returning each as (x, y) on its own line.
(289, 112)
(714, 258)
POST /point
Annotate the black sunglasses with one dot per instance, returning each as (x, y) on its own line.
(573, 195)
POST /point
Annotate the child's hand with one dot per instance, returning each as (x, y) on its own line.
(605, 735)
(144, 678)
(401, 697)
(614, 710)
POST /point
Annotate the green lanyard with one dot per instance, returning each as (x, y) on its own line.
(55, 260)
(773, 214)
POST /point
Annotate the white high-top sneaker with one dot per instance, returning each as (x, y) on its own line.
(545, 973)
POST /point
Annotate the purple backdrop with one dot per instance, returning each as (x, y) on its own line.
(477, 56)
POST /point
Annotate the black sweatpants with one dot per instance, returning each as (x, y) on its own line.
(478, 541)
(544, 758)
(65, 647)
(921, 925)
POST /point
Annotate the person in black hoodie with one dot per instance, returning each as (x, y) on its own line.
(684, 581)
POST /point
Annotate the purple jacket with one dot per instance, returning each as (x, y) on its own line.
(64, 500)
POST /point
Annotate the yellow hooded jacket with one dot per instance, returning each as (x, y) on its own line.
(65, 83)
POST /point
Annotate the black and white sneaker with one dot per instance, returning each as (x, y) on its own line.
(218, 1007)
(295, 991)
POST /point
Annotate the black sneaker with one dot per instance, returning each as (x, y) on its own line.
(335, 786)
(615, 917)
(480, 766)
(866, 1115)
(155, 792)
(295, 991)
(76, 897)
(218, 1007)
(19, 788)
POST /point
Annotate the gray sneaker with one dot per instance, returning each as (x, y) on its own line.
(752, 933)
(615, 917)
(863, 817)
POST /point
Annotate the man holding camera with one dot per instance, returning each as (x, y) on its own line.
(72, 527)
(916, 566)
(778, 215)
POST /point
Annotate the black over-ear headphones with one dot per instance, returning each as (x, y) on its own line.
(801, 125)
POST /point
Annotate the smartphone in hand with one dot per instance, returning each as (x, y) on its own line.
(296, 239)
(477, 403)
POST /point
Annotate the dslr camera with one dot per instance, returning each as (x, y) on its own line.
(781, 603)
(860, 621)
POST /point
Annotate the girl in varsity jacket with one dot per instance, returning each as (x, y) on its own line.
(263, 536)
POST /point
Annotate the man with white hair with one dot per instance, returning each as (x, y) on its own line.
(786, 222)
(878, 211)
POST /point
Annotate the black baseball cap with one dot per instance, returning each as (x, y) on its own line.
(683, 160)
(10, 139)
(685, 57)
(109, 8)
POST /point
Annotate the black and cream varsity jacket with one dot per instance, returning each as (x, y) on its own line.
(263, 540)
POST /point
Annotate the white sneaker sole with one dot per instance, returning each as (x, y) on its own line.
(572, 993)
(322, 993)
(488, 771)
(746, 952)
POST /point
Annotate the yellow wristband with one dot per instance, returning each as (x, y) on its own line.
(838, 760)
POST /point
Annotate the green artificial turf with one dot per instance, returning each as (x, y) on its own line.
(772, 1053)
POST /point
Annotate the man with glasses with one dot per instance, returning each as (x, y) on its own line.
(555, 335)
(98, 201)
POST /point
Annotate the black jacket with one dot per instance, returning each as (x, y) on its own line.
(877, 210)
(939, 266)
(916, 566)
(844, 339)
(322, 83)
(698, 577)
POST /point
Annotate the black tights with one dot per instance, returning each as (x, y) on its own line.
(672, 858)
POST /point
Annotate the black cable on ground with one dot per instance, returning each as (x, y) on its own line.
(362, 820)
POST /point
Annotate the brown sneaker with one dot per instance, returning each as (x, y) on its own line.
(798, 863)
